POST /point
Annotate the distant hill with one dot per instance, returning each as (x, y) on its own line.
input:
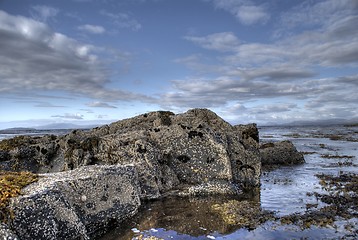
(325, 122)
(17, 130)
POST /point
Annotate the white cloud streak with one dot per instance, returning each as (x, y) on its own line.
(122, 20)
(43, 13)
(246, 11)
(94, 29)
(224, 41)
(75, 116)
(100, 105)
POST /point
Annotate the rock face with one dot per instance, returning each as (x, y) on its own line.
(280, 153)
(75, 204)
(168, 151)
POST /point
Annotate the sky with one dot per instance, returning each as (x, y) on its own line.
(99, 61)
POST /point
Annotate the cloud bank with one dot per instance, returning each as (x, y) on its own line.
(309, 40)
(34, 58)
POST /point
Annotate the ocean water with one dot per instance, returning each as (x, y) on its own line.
(6, 134)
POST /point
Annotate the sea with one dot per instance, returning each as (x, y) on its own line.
(10, 133)
(286, 190)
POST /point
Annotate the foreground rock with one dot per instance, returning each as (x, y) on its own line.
(169, 151)
(75, 204)
(6, 233)
(280, 153)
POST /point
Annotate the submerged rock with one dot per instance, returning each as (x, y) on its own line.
(280, 153)
(243, 214)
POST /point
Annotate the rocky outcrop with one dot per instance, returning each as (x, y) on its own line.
(280, 153)
(144, 157)
(75, 204)
(169, 151)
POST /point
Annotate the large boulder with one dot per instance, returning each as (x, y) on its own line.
(280, 153)
(75, 204)
(169, 151)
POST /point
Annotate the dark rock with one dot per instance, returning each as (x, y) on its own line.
(280, 153)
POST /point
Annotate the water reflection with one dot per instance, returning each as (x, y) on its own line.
(193, 216)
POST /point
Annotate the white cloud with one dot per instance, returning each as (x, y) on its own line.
(48, 105)
(249, 15)
(122, 20)
(94, 29)
(101, 116)
(100, 105)
(224, 41)
(43, 13)
(246, 11)
(69, 116)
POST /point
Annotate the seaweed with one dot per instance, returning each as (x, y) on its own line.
(11, 184)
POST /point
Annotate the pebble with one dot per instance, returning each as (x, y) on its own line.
(135, 230)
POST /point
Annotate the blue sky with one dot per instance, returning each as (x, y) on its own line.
(98, 61)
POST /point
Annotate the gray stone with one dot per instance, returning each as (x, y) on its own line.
(6, 233)
(280, 153)
(75, 204)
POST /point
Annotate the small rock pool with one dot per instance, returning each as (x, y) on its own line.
(316, 200)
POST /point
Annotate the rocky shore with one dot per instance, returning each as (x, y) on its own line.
(89, 180)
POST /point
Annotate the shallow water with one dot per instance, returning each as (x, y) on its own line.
(285, 191)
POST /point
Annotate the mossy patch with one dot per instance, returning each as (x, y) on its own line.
(15, 142)
(11, 184)
(243, 214)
